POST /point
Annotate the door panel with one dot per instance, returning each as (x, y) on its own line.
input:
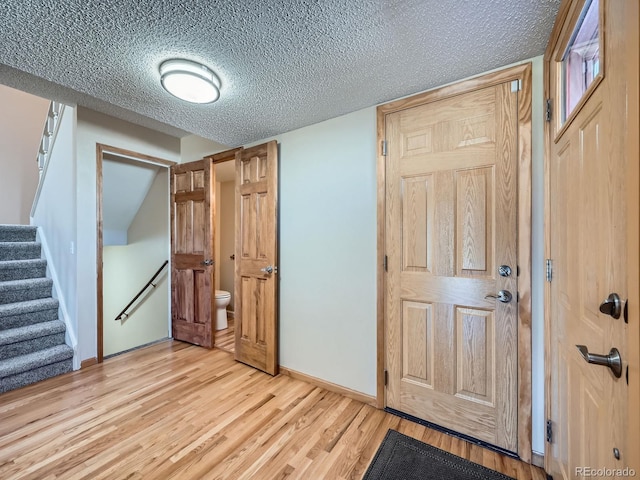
(191, 244)
(256, 251)
(587, 191)
(450, 222)
(585, 272)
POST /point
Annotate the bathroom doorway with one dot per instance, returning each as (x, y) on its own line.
(224, 220)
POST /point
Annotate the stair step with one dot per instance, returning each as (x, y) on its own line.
(19, 371)
(19, 250)
(17, 233)
(25, 290)
(21, 269)
(21, 314)
(29, 339)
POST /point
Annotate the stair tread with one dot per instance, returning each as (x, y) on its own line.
(17, 308)
(29, 262)
(15, 227)
(17, 233)
(28, 332)
(20, 244)
(25, 283)
(23, 363)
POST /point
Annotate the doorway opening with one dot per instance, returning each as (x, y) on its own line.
(133, 250)
(224, 218)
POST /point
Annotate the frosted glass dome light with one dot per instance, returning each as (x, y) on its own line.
(189, 81)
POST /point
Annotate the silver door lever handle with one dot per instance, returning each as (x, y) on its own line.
(613, 360)
(503, 296)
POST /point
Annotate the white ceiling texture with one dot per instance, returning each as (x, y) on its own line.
(283, 64)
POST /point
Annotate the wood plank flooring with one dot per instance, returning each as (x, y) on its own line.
(226, 338)
(176, 411)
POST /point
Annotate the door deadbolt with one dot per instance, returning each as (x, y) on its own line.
(612, 306)
(504, 270)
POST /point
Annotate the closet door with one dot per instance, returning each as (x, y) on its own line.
(256, 254)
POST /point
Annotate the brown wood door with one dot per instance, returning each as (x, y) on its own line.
(587, 213)
(451, 221)
(256, 287)
(192, 253)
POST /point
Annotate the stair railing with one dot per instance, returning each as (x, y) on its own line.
(49, 134)
(123, 314)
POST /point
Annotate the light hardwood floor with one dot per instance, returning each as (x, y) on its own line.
(173, 410)
(226, 339)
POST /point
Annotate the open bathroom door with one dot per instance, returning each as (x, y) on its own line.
(192, 252)
(256, 284)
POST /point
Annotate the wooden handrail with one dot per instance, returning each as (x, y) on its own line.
(149, 283)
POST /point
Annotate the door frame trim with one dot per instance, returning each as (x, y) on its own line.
(519, 72)
(101, 149)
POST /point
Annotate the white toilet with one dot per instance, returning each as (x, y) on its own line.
(222, 300)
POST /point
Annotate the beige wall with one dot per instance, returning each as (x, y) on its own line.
(193, 147)
(216, 238)
(128, 268)
(225, 237)
(21, 123)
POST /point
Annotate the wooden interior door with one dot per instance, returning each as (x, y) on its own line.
(192, 253)
(587, 175)
(451, 222)
(256, 284)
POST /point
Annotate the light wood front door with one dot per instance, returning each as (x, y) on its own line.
(451, 222)
(588, 187)
(192, 254)
(256, 287)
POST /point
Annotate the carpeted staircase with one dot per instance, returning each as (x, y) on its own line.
(32, 338)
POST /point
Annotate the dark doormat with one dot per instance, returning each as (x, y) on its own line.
(404, 458)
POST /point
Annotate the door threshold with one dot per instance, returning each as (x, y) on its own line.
(453, 433)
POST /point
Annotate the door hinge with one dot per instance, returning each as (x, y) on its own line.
(384, 148)
(549, 431)
(627, 375)
(549, 270)
(386, 378)
(547, 115)
(385, 263)
(516, 86)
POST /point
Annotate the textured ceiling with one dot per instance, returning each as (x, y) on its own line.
(283, 64)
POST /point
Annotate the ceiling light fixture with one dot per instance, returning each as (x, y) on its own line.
(189, 81)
